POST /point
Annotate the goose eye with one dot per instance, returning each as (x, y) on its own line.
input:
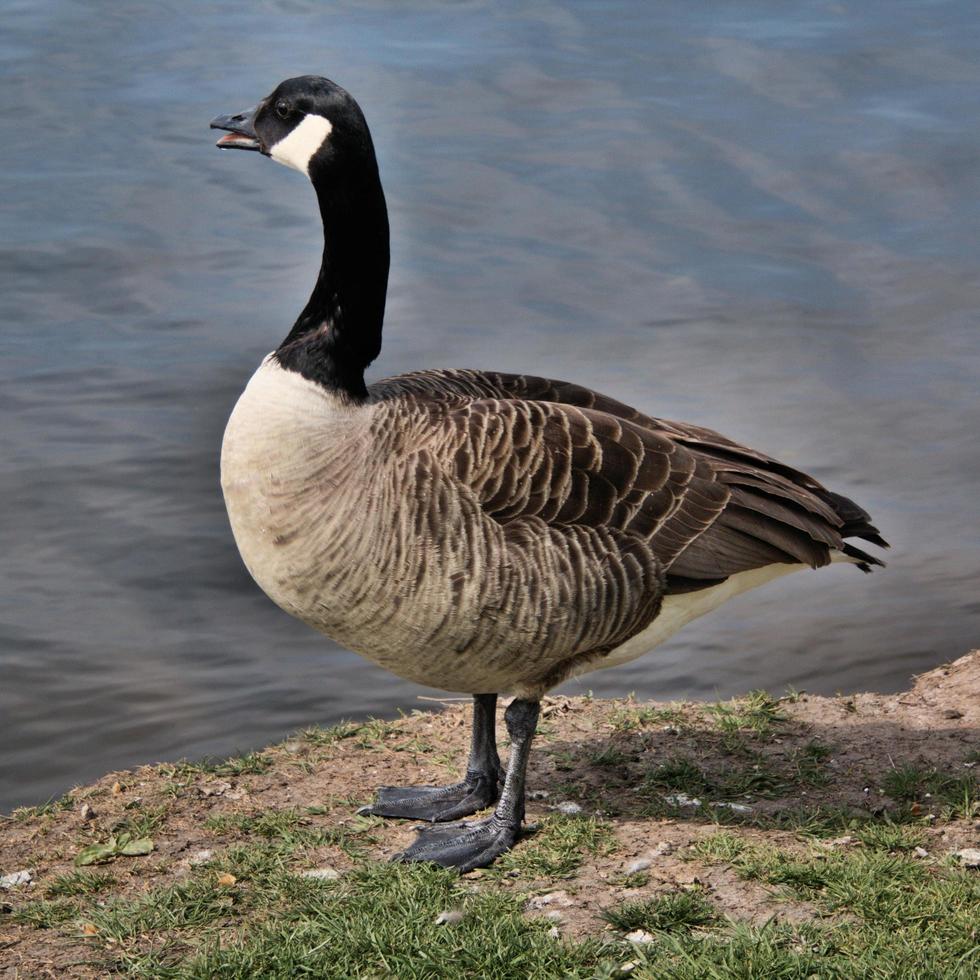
(282, 109)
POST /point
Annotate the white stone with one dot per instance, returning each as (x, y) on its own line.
(735, 807)
(969, 857)
(215, 789)
(322, 874)
(682, 799)
(569, 809)
(15, 878)
(559, 898)
(639, 936)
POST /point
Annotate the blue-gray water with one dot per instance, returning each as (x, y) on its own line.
(762, 217)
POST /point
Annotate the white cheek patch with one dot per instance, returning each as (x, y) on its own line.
(297, 149)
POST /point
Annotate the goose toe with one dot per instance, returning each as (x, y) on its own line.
(435, 804)
(463, 845)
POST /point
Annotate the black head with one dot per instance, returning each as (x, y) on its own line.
(308, 123)
(314, 126)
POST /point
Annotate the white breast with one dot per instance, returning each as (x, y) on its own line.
(279, 444)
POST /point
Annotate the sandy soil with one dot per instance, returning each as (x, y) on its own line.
(592, 753)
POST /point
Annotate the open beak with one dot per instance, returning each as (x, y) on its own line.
(241, 133)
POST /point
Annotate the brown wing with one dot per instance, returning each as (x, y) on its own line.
(708, 506)
(574, 466)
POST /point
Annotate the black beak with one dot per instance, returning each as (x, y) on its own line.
(241, 132)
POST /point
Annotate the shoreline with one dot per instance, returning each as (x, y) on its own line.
(633, 802)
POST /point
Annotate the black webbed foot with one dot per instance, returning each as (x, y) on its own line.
(476, 844)
(463, 845)
(436, 803)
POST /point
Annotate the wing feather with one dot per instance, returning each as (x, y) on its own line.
(704, 505)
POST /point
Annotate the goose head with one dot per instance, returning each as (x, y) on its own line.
(314, 126)
(307, 123)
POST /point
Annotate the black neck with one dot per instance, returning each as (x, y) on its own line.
(338, 334)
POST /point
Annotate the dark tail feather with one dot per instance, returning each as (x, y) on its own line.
(864, 560)
(857, 521)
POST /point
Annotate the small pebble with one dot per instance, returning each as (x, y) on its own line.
(736, 807)
(215, 789)
(639, 936)
(323, 874)
(921, 852)
(554, 932)
(449, 918)
(559, 898)
(664, 847)
(569, 809)
(86, 812)
(969, 857)
(682, 799)
(640, 864)
(15, 878)
(538, 794)
(200, 857)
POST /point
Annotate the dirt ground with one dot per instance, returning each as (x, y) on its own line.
(596, 755)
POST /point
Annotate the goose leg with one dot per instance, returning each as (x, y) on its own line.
(476, 844)
(478, 790)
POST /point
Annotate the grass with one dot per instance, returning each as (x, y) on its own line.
(810, 763)
(24, 814)
(900, 916)
(870, 910)
(957, 796)
(294, 829)
(681, 774)
(757, 714)
(378, 921)
(630, 717)
(889, 836)
(722, 847)
(878, 915)
(142, 822)
(81, 882)
(676, 912)
(189, 905)
(42, 914)
(558, 848)
(250, 764)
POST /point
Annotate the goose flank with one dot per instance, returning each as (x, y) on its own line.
(473, 531)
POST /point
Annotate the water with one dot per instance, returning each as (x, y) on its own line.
(759, 217)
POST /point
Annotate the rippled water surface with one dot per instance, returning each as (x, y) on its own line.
(761, 217)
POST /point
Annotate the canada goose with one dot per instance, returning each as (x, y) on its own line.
(472, 531)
